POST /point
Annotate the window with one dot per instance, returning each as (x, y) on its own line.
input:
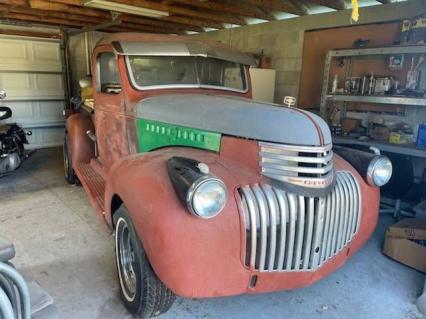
(186, 71)
(109, 79)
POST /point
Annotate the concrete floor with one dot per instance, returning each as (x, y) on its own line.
(60, 243)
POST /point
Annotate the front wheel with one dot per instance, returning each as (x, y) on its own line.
(142, 292)
(69, 171)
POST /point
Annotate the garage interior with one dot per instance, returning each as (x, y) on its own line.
(324, 53)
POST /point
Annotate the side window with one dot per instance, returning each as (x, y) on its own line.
(108, 79)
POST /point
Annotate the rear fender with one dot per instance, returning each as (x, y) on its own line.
(81, 147)
(181, 248)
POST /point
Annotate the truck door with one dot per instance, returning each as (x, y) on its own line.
(110, 121)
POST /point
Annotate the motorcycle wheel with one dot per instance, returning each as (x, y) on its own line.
(69, 171)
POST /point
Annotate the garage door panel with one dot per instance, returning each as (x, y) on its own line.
(30, 86)
(36, 112)
(20, 111)
(49, 82)
(29, 55)
(30, 72)
(45, 137)
(47, 54)
(13, 52)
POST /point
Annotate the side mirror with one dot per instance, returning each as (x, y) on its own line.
(2, 95)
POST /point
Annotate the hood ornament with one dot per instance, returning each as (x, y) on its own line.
(289, 101)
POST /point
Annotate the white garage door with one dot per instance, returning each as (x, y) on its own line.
(31, 74)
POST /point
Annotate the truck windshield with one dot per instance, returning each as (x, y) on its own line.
(185, 71)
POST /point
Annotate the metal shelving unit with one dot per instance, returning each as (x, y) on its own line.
(378, 99)
(350, 54)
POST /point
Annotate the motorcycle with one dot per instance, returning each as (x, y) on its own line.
(12, 141)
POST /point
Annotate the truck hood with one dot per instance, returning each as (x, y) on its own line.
(237, 117)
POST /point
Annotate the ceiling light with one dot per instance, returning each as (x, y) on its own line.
(125, 8)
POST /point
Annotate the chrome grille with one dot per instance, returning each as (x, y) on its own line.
(289, 232)
(300, 165)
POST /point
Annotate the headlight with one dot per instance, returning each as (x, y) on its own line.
(207, 197)
(204, 194)
(379, 171)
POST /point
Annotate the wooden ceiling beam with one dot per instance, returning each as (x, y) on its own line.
(36, 19)
(83, 19)
(15, 2)
(202, 23)
(278, 5)
(184, 11)
(55, 6)
(72, 5)
(26, 33)
(334, 4)
(66, 6)
(156, 22)
(221, 7)
(300, 6)
(10, 16)
(170, 9)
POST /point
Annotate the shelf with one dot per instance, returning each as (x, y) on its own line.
(399, 100)
(405, 149)
(353, 54)
(410, 49)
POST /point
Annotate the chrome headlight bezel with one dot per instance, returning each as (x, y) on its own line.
(197, 187)
(379, 163)
(188, 177)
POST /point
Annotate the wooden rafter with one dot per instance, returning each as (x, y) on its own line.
(245, 11)
(278, 5)
(300, 6)
(11, 16)
(208, 16)
(25, 33)
(267, 13)
(16, 12)
(172, 9)
(334, 4)
(89, 12)
(184, 15)
(128, 25)
(72, 5)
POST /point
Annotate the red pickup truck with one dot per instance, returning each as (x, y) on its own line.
(210, 193)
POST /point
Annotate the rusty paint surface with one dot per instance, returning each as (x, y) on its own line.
(199, 258)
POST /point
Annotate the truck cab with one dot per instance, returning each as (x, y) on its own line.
(208, 192)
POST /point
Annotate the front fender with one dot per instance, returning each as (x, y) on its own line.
(82, 148)
(170, 234)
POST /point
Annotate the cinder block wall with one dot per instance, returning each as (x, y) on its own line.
(282, 40)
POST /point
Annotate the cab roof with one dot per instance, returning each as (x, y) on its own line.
(143, 44)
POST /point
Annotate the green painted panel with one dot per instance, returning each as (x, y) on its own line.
(153, 135)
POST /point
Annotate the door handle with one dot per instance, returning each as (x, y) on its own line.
(91, 135)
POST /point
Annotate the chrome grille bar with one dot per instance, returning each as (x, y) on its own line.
(289, 232)
(300, 165)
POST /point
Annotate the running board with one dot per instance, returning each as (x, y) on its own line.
(94, 185)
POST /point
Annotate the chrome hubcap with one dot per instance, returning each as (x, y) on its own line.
(126, 258)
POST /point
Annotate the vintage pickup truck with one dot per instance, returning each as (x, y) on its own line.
(208, 192)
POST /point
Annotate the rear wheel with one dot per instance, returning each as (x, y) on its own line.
(69, 171)
(142, 292)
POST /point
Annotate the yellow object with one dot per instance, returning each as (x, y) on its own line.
(87, 93)
(398, 138)
(355, 10)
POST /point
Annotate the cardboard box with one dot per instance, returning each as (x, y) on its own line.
(403, 242)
